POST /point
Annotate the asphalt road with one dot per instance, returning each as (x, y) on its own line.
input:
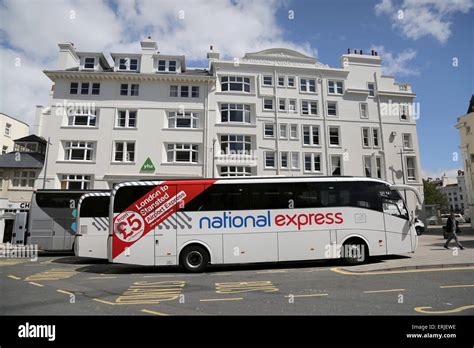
(69, 285)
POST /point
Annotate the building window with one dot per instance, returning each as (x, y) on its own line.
(282, 104)
(85, 88)
(364, 110)
(239, 113)
(184, 91)
(371, 88)
(295, 160)
(129, 89)
(235, 83)
(336, 165)
(312, 162)
(167, 65)
(332, 108)
(195, 92)
(284, 160)
(89, 63)
(130, 64)
(75, 182)
(378, 167)
(236, 171)
(4, 150)
(95, 88)
(8, 128)
(182, 153)
(124, 151)
(268, 104)
(126, 119)
(293, 131)
(368, 166)
(375, 137)
(269, 130)
(283, 131)
(291, 81)
(269, 159)
(309, 107)
(335, 87)
(307, 85)
(407, 143)
(83, 117)
(334, 136)
(292, 105)
(311, 135)
(411, 168)
(162, 65)
(236, 144)
(79, 151)
(185, 119)
(404, 112)
(268, 80)
(73, 88)
(365, 137)
(172, 66)
(23, 179)
(174, 91)
(281, 81)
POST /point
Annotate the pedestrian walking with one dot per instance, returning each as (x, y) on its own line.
(451, 228)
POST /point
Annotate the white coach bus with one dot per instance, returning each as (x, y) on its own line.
(247, 220)
(93, 225)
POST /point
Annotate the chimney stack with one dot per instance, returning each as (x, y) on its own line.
(67, 56)
(149, 49)
(212, 54)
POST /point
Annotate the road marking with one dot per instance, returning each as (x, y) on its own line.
(221, 299)
(14, 277)
(220, 274)
(457, 286)
(103, 301)
(102, 277)
(158, 276)
(387, 290)
(36, 284)
(341, 271)
(65, 292)
(52, 274)
(306, 295)
(455, 310)
(144, 292)
(153, 312)
(273, 271)
(238, 287)
(11, 262)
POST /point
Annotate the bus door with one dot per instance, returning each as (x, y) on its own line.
(397, 224)
(165, 230)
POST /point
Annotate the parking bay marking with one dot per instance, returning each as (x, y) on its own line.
(221, 299)
(457, 286)
(144, 292)
(52, 274)
(153, 312)
(306, 295)
(379, 291)
(367, 273)
(14, 277)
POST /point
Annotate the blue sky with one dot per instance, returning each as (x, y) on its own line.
(417, 48)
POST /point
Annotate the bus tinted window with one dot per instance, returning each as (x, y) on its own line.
(271, 195)
(95, 207)
(128, 195)
(57, 199)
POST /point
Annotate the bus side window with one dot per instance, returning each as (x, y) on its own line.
(307, 195)
(270, 195)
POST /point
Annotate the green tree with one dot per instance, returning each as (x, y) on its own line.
(433, 195)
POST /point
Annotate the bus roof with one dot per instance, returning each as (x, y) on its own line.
(94, 194)
(254, 179)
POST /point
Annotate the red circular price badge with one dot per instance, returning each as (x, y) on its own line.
(129, 226)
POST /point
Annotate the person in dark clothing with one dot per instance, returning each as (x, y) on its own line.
(451, 228)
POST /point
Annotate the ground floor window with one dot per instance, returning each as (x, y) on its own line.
(235, 171)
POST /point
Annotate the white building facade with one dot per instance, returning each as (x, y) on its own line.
(274, 112)
(457, 194)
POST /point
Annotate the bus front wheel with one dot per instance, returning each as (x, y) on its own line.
(194, 258)
(355, 251)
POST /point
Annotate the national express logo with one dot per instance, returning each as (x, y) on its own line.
(296, 220)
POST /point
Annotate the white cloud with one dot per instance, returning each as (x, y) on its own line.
(397, 64)
(32, 29)
(419, 18)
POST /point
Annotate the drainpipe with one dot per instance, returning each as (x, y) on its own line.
(277, 126)
(382, 138)
(323, 109)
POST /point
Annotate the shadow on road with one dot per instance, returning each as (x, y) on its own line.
(100, 266)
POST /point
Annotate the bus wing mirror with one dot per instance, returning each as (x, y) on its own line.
(412, 189)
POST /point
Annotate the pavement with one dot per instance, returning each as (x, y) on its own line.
(429, 254)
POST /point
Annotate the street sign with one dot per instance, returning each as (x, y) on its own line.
(148, 166)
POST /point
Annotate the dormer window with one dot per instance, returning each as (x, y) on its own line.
(128, 64)
(89, 63)
(167, 65)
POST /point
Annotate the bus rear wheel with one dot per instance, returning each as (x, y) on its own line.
(354, 251)
(194, 258)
